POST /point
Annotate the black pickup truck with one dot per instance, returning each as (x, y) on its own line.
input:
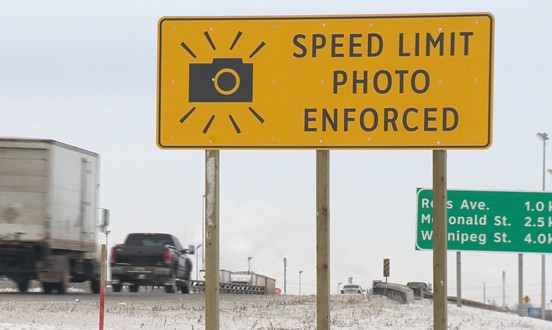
(151, 259)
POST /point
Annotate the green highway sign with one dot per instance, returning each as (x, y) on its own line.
(505, 221)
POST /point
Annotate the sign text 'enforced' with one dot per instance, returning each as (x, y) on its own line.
(422, 82)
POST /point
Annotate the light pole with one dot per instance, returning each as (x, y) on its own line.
(249, 265)
(107, 232)
(104, 215)
(338, 284)
(300, 272)
(543, 137)
(197, 264)
(285, 275)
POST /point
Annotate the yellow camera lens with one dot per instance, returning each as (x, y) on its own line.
(227, 91)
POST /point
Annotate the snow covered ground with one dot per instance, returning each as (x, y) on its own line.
(80, 311)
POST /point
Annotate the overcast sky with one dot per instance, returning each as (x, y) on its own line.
(84, 73)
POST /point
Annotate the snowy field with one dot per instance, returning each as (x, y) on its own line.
(75, 311)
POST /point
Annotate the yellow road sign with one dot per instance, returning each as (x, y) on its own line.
(356, 82)
(386, 267)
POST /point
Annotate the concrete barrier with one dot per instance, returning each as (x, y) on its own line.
(398, 292)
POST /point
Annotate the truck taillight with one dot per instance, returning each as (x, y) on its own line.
(167, 257)
(113, 256)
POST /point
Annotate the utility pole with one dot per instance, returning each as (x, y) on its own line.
(484, 293)
(503, 288)
(285, 275)
(197, 262)
(300, 272)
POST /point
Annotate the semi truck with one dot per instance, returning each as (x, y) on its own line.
(49, 214)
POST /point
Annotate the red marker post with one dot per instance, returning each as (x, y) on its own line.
(102, 289)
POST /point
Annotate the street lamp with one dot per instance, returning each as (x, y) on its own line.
(543, 137)
(300, 272)
(197, 264)
(249, 264)
(338, 284)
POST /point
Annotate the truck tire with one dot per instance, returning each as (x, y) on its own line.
(116, 287)
(63, 283)
(188, 271)
(61, 287)
(95, 286)
(23, 285)
(47, 287)
(169, 288)
(133, 288)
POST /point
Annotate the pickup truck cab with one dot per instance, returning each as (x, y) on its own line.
(151, 259)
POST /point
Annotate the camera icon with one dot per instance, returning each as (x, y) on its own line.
(224, 80)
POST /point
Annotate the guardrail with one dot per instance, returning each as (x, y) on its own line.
(472, 303)
(405, 294)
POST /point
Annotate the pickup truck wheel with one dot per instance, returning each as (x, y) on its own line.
(116, 287)
(185, 287)
(172, 287)
(133, 288)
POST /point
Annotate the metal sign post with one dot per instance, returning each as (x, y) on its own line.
(440, 240)
(212, 239)
(323, 239)
(520, 284)
(458, 278)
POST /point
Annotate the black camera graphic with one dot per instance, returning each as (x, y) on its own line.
(224, 80)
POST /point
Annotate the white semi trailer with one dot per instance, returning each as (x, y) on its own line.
(48, 214)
